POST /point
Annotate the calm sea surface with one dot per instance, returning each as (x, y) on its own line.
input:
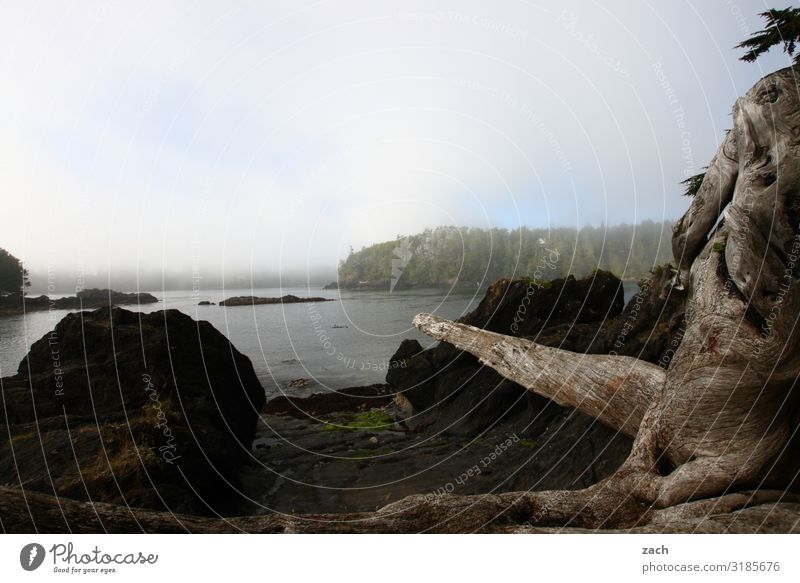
(336, 344)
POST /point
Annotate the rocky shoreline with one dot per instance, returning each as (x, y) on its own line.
(398, 286)
(84, 300)
(433, 430)
(443, 426)
(150, 410)
(257, 301)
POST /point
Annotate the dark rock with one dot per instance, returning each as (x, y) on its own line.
(98, 298)
(85, 299)
(16, 303)
(350, 399)
(444, 391)
(412, 370)
(450, 391)
(154, 410)
(651, 322)
(345, 462)
(522, 308)
(206, 303)
(582, 316)
(252, 300)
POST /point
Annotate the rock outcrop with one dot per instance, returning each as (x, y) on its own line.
(445, 390)
(442, 386)
(84, 300)
(256, 301)
(649, 327)
(98, 298)
(152, 410)
(323, 403)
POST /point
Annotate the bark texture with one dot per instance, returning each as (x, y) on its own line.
(723, 416)
(613, 389)
(743, 512)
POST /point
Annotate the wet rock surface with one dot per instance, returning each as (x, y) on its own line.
(444, 425)
(360, 461)
(350, 451)
(321, 403)
(84, 300)
(153, 410)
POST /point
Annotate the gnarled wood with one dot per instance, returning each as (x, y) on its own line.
(725, 415)
(690, 233)
(613, 389)
(530, 512)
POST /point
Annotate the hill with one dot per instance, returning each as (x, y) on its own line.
(473, 257)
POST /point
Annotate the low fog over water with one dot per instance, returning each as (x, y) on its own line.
(272, 138)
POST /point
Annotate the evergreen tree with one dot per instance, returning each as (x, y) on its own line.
(783, 28)
(13, 276)
(693, 184)
(470, 256)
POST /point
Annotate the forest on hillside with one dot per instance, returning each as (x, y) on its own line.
(473, 257)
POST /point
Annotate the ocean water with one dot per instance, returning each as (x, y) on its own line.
(337, 344)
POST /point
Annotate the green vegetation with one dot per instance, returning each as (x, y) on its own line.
(531, 443)
(783, 28)
(373, 420)
(471, 257)
(718, 247)
(541, 283)
(693, 184)
(13, 277)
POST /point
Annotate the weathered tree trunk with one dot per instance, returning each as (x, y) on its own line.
(724, 414)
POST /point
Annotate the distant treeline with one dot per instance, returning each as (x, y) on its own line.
(469, 257)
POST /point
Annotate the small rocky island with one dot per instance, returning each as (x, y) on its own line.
(256, 301)
(84, 300)
(552, 407)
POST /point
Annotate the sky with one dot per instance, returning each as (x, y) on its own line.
(211, 139)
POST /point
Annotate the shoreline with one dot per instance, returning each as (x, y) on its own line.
(88, 299)
(460, 288)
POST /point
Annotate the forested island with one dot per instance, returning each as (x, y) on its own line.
(256, 301)
(473, 257)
